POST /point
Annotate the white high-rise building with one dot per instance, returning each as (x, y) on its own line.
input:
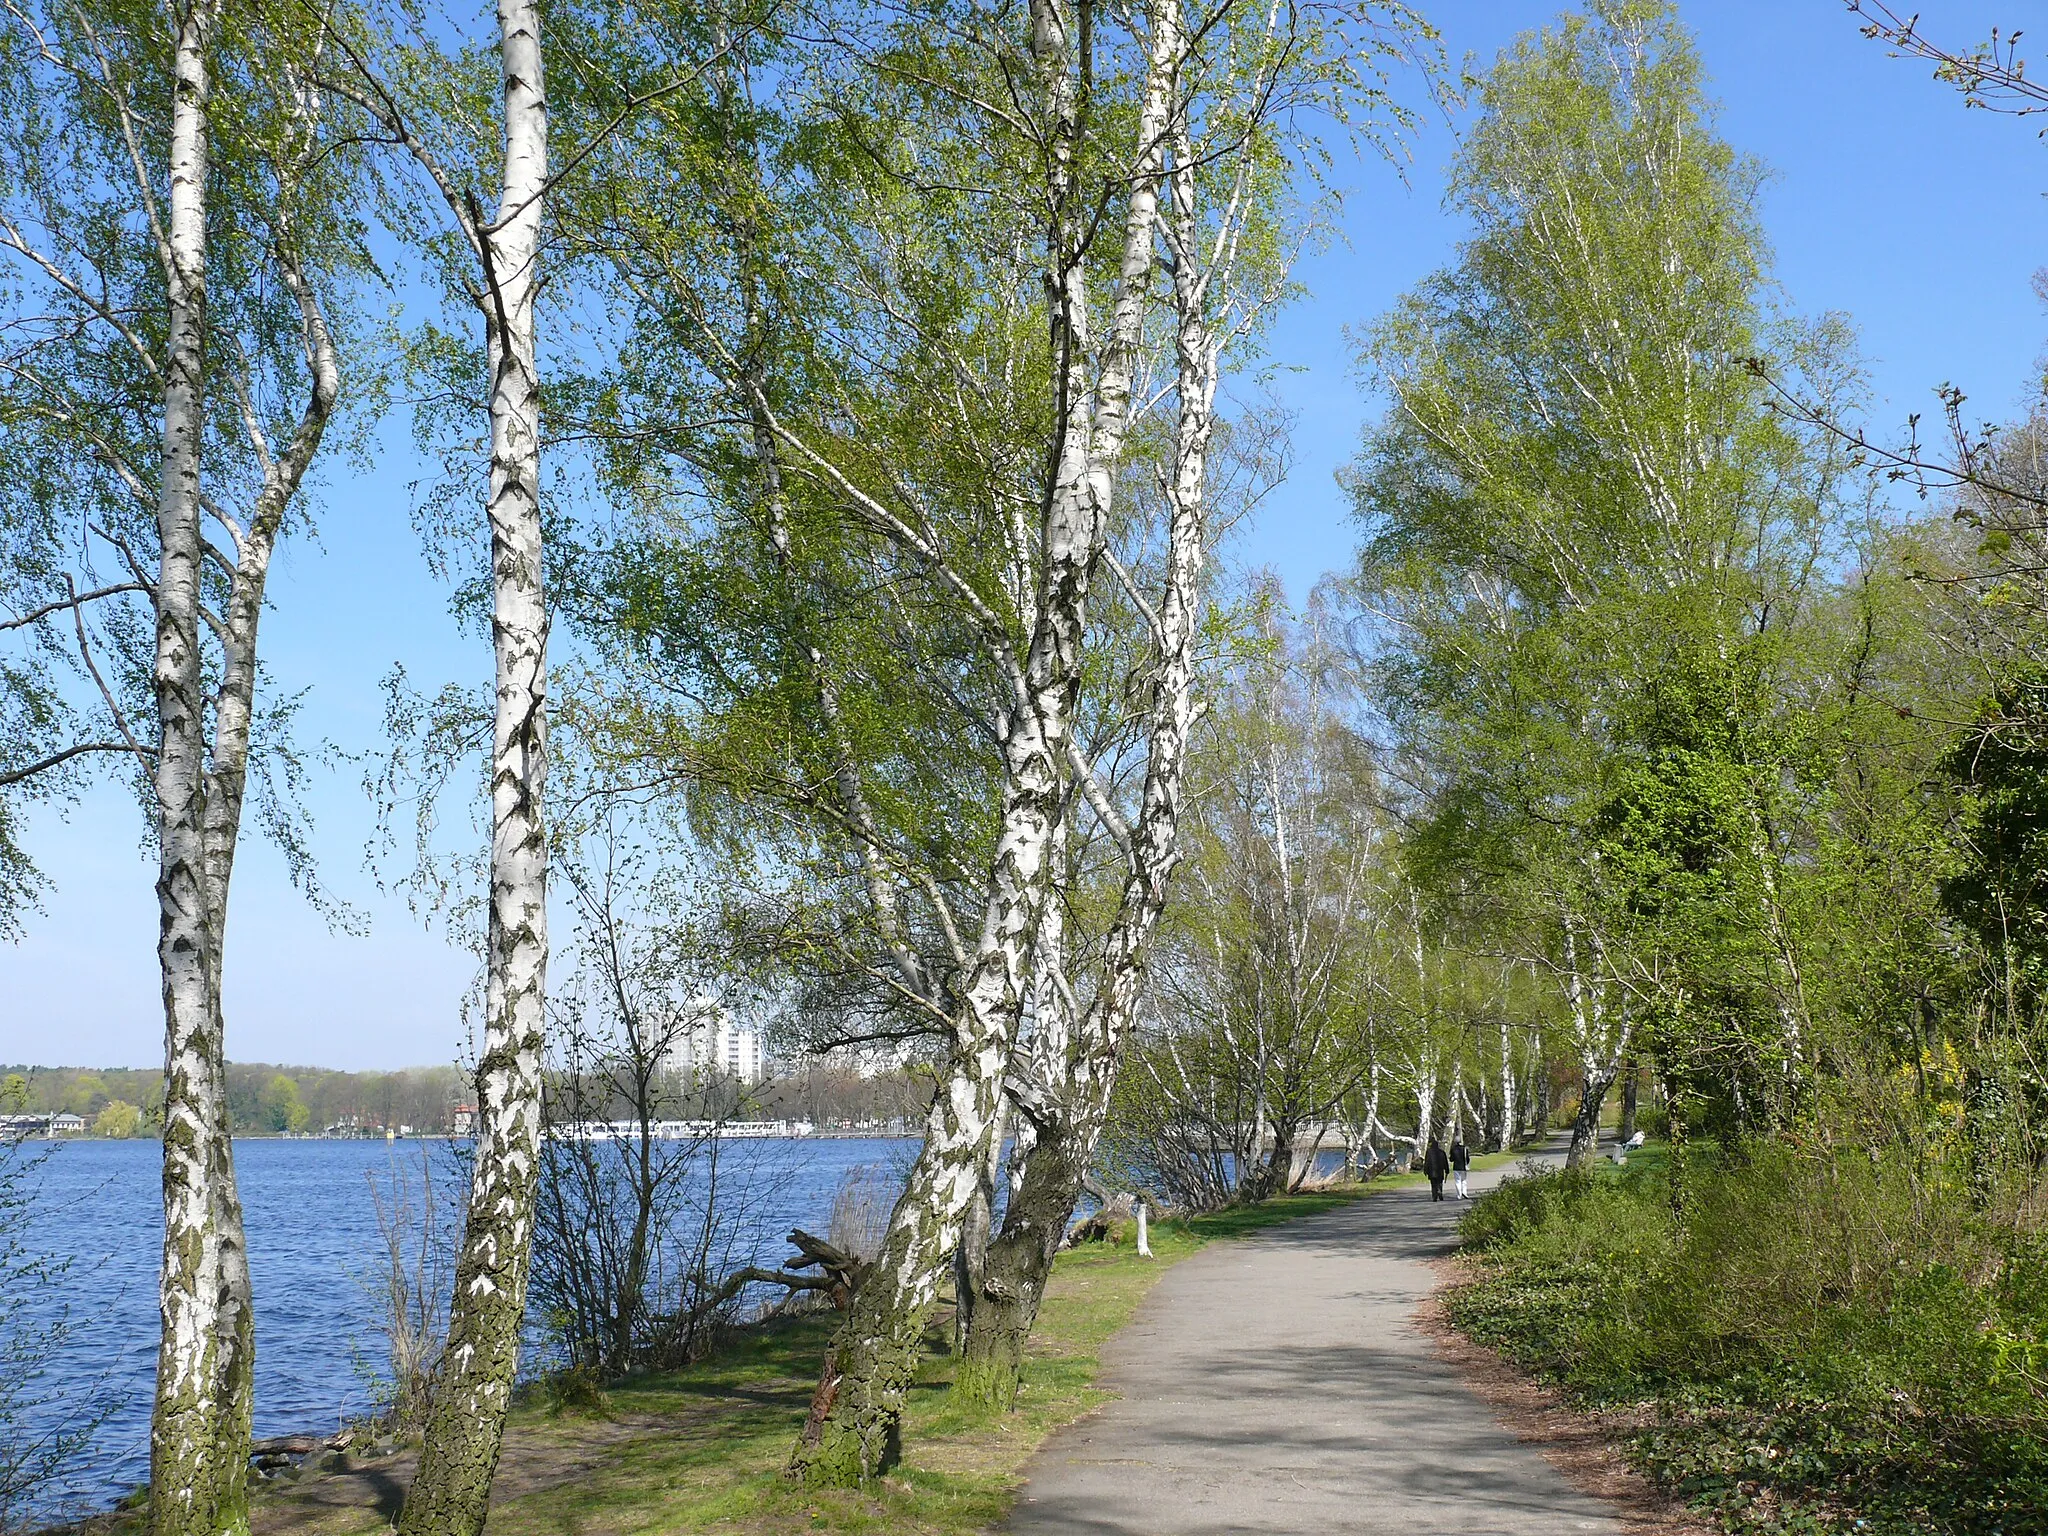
(715, 1044)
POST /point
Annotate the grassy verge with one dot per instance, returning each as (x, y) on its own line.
(1814, 1346)
(700, 1450)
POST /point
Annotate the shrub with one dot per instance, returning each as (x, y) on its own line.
(1827, 1339)
(576, 1391)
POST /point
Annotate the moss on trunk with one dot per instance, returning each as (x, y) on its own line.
(854, 1429)
(1019, 1263)
(855, 1424)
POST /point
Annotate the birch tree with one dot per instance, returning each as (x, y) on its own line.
(170, 272)
(921, 506)
(859, 1401)
(493, 264)
(459, 1454)
(937, 388)
(1241, 79)
(1062, 1084)
(1593, 546)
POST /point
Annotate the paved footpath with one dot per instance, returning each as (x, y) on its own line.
(1278, 1384)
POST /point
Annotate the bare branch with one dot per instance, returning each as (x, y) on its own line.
(17, 775)
(1099, 802)
(1907, 464)
(106, 693)
(73, 601)
(1992, 76)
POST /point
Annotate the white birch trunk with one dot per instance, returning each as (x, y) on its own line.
(857, 1409)
(1078, 1104)
(1371, 1120)
(460, 1452)
(1600, 1045)
(199, 1429)
(1510, 1105)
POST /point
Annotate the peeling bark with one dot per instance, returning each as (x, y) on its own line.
(1593, 1087)
(200, 1429)
(877, 1346)
(970, 1259)
(1020, 1261)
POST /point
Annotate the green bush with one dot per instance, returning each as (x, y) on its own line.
(1825, 1340)
(577, 1391)
(1520, 1204)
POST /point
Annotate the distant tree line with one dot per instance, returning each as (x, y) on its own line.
(263, 1098)
(269, 1099)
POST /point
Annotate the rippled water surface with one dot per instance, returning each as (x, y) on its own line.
(313, 1240)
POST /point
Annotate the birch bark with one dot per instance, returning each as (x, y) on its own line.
(1370, 1121)
(1504, 1136)
(1068, 1122)
(459, 1455)
(199, 1430)
(970, 1259)
(201, 1425)
(854, 1424)
(1601, 1047)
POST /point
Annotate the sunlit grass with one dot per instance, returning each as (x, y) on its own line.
(702, 1449)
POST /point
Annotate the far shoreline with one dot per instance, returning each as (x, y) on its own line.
(66, 1138)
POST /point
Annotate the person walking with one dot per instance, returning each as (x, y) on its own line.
(1461, 1161)
(1435, 1165)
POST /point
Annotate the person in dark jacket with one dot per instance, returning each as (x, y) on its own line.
(1461, 1160)
(1436, 1165)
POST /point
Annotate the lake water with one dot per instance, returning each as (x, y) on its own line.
(313, 1239)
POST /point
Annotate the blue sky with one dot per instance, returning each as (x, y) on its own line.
(1921, 221)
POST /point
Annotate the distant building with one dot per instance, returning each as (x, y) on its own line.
(463, 1119)
(67, 1125)
(715, 1044)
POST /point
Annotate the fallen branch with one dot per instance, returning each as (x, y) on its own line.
(839, 1273)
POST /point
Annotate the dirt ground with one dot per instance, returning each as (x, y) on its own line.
(335, 1500)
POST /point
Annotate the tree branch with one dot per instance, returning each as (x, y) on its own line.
(74, 601)
(13, 776)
